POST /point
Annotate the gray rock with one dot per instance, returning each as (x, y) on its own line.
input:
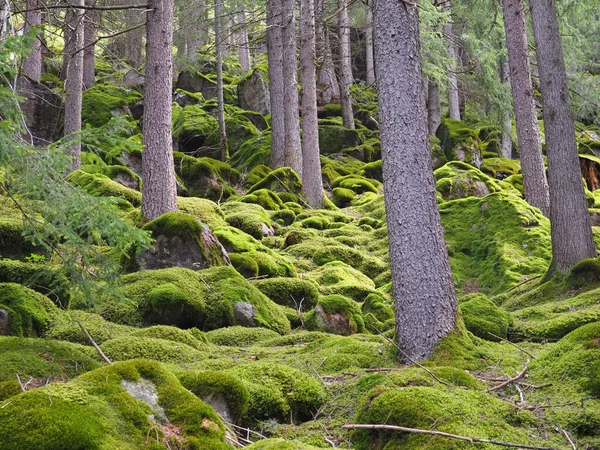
(332, 323)
(217, 401)
(196, 82)
(145, 391)
(3, 322)
(253, 94)
(244, 314)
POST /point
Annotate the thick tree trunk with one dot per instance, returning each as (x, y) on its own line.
(276, 87)
(89, 37)
(224, 151)
(74, 82)
(434, 107)
(32, 65)
(243, 45)
(293, 150)
(312, 183)
(424, 297)
(506, 151)
(158, 172)
(369, 61)
(453, 97)
(345, 66)
(572, 238)
(528, 132)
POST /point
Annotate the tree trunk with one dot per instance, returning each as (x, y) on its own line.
(312, 183)
(89, 36)
(133, 41)
(506, 151)
(158, 173)
(345, 66)
(32, 65)
(243, 42)
(424, 298)
(276, 87)
(453, 98)
(434, 108)
(369, 44)
(74, 82)
(293, 150)
(224, 151)
(572, 238)
(528, 132)
(326, 78)
(68, 39)
(4, 6)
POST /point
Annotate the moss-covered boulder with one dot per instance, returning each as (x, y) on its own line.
(197, 82)
(459, 180)
(206, 211)
(282, 180)
(180, 240)
(13, 243)
(196, 131)
(292, 292)
(336, 314)
(157, 349)
(255, 151)
(238, 336)
(206, 177)
(267, 199)
(333, 137)
(280, 444)
(100, 185)
(253, 92)
(248, 217)
(336, 277)
(500, 168)
(66, 327)
(102, 102)
(24, 312)
(460, 142)
(484, 318)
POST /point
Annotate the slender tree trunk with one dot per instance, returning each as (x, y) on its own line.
(572, 238)
(293, 150)
(312, 183)
(453, 98)
(74, 82)
(224, 151)
(68, 48)
(32, 65)
(345, 66)
(132, 42)
(424, 298)
(243, 42)
(158, 173)
(528, 132)
(327, 77)
(276, 87)
(369, 44)
(89, 37)
(434, 108)
(506, 151)
(4, 7)
(228, 37)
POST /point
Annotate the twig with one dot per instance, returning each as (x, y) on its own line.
(523, 282)
(573, 446)
(98, 349)
(5, 405)
(510, 380)
(521, 395)
(441, 433)
(514, 345)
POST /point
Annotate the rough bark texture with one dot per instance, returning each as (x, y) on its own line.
(370, 63)
(434, 107)
(453, 97)
(293, 150)
(528, 132)
(4, 5)
(328, 84)
(33, 64)
(89, 36)
(571, 231)
(276, 88)
(506, 151)
(158, 174)
(223, 150)
(345, 66)
(74, 82)
(312, 183)
(243, 42)
(424, 297)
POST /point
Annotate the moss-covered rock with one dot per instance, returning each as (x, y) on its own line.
(196, 131)
(500, 168)
(245, 264)
(280, 444)
(357, 184)
(483, 318)
(337, 277)
(206, 211)
(44, 278)
(459, 180)
(192, 337)
(342, 197)
(100, 185)
(240, 336)
(255, 151)
(333, 137)
(336, 314)
(292, 292)
(206, 177)
(460, 142)
(102, 102)
(133, 347)
(65, 327)
(283, 179)
(24, 312)
(265, 198)
(250, 218)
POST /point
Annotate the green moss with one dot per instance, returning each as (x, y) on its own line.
(206, 177)
(249, 218)
(284, 217)
(239, 336)
(500, 168)
(195, 339)
(379, 306)
(254, 152)
(174, 224)
(342, 197)
(44, 278)
(163, 350)
(483, 318)
(357, 184)
(339, 278)
(100, 185)
(280, 444)
(66, 328)
(272, 265)
(336, 314)
(101, 100)
(265, 198)
(459, 141)
(196, 130)
(293, 292)
(333, 137)
(204, 210)
(235, 240)
(257, 174)
(244, 264)
(29, 312)
(373, 170)
(239, 128)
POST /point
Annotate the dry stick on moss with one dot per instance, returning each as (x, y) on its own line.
(522, 283)
(520, 375)
(98, 349)
(442, 434)
(573, 446)
(514, 345)
(410, 359)
(290, 191)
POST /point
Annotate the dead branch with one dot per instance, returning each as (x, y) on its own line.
(514, 345)
(573, 446)
(442, 434)
(98, 349)
(520, 375)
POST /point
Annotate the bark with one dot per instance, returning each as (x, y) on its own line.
(4, 6)
(571, 231)
(369, 44)
(528, 132)
(312, 183)
(68, 49)
(434, 108)
(74, 82)
(90, 21)
(506, 151)
(158, 174)
(293, 150)
(32, 65)
(327, 79)
(223, 150)
(129, 45)
(424, 298)
(453, 98)
(244, 47)
(276, 88)
(345, 66)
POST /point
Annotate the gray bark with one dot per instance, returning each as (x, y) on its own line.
(434, 107)
(243, 45)
(326, 78)
(571, 231)
(453, 97)
(131, 44)
(528, 132)
(345, 65)
(89, 36)
(424, 298)
(276, 87)
(4, 7)
(224, 152)
(369, 61)
(74, 82)
(506, 151)
(33, 64)
(312, 183)
(158, 173)
(293, 150)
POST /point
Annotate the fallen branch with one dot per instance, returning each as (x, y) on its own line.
(573, 446)
(522, 283)
(520, 375)
(442, 434)
(514, 345)
(98, 349)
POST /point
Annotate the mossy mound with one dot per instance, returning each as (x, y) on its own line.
(24, 312)
(96, 411)
(378, 313)
(265, 198)
(337, 277)
(279, 392)
(244, 264)
(292, 292)
(240, 336)
(196, 131)
(206, 211)
(495, 242)
(206, 177)
(483, 318)
(342, 197)
(256, 174)
(192, 337)
(65, 327)
(13, 244)
(239, 127)
(44, 278)
(333, 137)
(100, 185)
(249, 218)
(163, 350)
(283, 179)
(280, 444)
(460, 142)
(336, 314)
(357, 184)
(102, 102)
(500, 168)
(460, 180)
(253, 152)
